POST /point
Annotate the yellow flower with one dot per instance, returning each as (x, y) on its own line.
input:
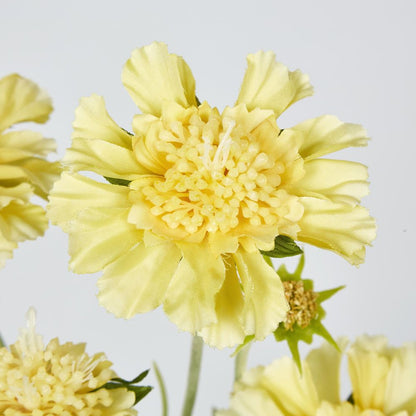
(24, 172)
(194, 194)
(57, 380)
(382, 381)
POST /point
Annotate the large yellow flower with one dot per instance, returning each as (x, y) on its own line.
(57, 380)
(194, 194)
(24, 172)
(382, 381)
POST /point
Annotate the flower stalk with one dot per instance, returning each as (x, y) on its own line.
(241, 361)
(193, 375)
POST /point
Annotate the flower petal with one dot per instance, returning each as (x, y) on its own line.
(30, 142)
(337, 180)
(20, 222)
(400, 384)
(252, 402)
(327, 134)
(295, 393)
(229, 302)
(98, 237)
(92, 121)
(104, 158)
(269, 85)
(6, 249)
(137, 282)
(338, 227)
(265, 303)
(74, 193)
(153, 75)
(190, 298)
(324, 364)
(368, 366)
(22, 100)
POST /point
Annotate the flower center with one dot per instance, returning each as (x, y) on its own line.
(218, 177)
(302, 304)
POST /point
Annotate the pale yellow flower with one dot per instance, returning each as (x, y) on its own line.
(24, 171)
(57, 380)
(382, 381)
(203, 192)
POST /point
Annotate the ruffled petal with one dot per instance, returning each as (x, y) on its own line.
(20, 193)
(6, 249)
(337, 180)
(20, 222)
(39, 172)
(368, 366)
(137, 282)
(295, 393)
(153, 75)
(74, 193)
(22, 100)
(27, 141)
(269, 85)
(265, 305)
(338, 227)
(104, 158)
(251, 402)
(92, 121)
(190, 298)
(400, 383)
(327, 134)
(229, 302)
(324, 364)
(100, 236)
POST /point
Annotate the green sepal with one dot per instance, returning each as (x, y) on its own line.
(139, 391)
(284, 246)
(117, 181)
(246, 341)
(315, 327)
(326, 294)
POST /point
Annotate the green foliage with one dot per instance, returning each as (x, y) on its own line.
(117, 181)
(284, 246)
(139, 391)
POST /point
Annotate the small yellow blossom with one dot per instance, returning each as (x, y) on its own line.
(57, 380)
(24, 171)
(382, 381)
(195, 193)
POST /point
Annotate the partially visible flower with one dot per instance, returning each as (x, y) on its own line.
(24, 171)
(195, 193)
(304, 319)
(57, 380)
(382, 380)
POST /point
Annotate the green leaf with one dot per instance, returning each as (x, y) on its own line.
(139, 391)
(117, 181)
(284, 246)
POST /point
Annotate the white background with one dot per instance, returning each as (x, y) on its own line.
(360, 56)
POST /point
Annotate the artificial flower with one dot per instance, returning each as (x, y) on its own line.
(195, 193)
(382, 382)
(58, 379)
(24, 170)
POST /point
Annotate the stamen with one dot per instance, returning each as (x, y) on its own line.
(223, 149)
(302, 304)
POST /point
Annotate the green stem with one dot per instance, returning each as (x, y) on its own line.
(193, 375)
(241, 362)
(162, 388)
(2, 344)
